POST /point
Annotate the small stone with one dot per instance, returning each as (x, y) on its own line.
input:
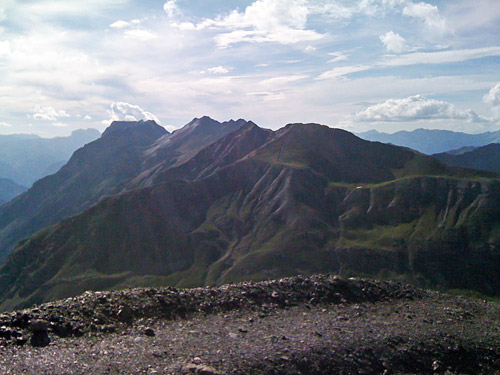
(39, 325)
(21, 341)
(149, 332)
(193, 368)
(40, 339)
(126, 314)
(436, 365)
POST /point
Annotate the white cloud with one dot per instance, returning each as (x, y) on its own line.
(5, 124)
(120, 24)
(342, 71)
(87, 117)
(393, 42)
(217, 70)
(429, 14)
(278, 21)
(441, 57)
(493, 96)
(140, 34)
(416, 108)
(121, 111)
(48, 113)
(280, 81)
(332, 9)
(337, 56)
(4, 48)
(170, 7)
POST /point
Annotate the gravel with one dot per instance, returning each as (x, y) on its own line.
(315, 325)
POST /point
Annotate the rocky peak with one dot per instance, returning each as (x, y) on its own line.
(122, 127)
(203, 121)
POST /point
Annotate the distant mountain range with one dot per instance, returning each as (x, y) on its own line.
(432, 141)
(485, 158)
(25, 158)
(9, 189)
(223, 202)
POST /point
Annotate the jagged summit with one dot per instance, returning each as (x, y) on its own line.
(209, 123)
(184, 143)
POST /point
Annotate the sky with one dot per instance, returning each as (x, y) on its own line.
(388, 65)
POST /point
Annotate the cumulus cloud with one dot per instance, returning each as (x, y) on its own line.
(429, 14)
(121, 111)
(48, 113)
(493, 96)
(393, 42)
(170, 7)
(416, 108)
(279, 21)
(5, 124)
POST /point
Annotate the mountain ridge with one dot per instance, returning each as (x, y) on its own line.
(485, 158)
(432, 141)
(297, 200)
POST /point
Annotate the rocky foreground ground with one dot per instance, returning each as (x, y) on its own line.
(299, 325)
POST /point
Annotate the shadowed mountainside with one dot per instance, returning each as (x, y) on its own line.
(127, 156)
(485, 158)
(92, 172)
(258, 204)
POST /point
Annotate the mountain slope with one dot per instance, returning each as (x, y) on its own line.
(432, 141)
(127, 156)
(9, 189)
(484, 158)
(27, 158)
(174, 149)
(304, 199)
(92, 172)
